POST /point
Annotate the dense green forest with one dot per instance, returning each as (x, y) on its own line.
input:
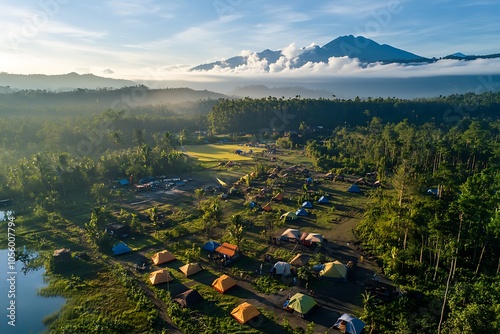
(442, 245)
(443, 242)
(231, 115)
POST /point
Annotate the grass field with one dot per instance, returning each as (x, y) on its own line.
(220, 152)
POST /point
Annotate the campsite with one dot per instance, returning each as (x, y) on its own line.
(175, 253)
(260, 250)
(297, 239)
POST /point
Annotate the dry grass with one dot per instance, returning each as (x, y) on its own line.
(220, 152)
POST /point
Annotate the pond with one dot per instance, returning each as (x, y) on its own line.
(5, 214)
(28, 307)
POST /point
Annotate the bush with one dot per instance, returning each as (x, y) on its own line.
(268, 284)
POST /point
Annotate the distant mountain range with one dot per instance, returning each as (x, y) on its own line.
(311, 72)
(62, 82)
(364, 49)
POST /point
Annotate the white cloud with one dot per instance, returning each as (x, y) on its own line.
(132, 7)
(345, 66)
(61, 29)
(291, 51)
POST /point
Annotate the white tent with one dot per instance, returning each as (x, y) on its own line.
(314, 238)
(281, 268)
(291, 234)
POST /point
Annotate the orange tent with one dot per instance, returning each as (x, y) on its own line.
(245, 312)
(163, 257)
(190, 269)
(160, 276)
(278, 197)
(223, 283)
(267, 208)
(227, 249)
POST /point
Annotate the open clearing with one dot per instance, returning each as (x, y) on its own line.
(218, 152)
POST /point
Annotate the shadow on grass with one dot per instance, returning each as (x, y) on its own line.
(79, 268)
(175, 287)
(203, 277)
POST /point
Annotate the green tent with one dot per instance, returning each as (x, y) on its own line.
(301, 303)
(289, 216)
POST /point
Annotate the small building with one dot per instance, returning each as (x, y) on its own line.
(228, 253)
(118, 230)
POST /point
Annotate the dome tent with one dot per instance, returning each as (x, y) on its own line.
(245, 312)
(307, 205)
(349, 324)
(335, 271)
(323, 200)
(301, 212)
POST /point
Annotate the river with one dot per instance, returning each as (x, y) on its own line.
(18, 291)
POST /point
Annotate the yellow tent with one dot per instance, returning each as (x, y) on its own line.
(162, 257)
(190, 269)
(334, 270)
(245, 312)
(160, 276)
(223, 283)
(222, 183)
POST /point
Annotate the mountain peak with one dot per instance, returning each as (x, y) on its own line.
(458, 55)
(367, 50)
(362, 48)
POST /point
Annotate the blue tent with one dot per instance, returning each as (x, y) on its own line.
(354, 189)
(307, 204)
(252, 205)
(309, 180)
(123, 182)
(323, 200)
(301, 212)
(350, 324)
(121, 248)
(211, 246)
(433, 191)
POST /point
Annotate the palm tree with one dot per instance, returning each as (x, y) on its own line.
(236, 229)
(153, 216)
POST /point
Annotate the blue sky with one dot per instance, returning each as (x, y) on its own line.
(134, 37)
